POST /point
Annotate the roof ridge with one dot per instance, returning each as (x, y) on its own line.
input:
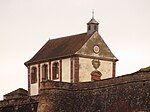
(68, 36)
(62, 46)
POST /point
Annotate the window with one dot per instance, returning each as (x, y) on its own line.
(89, 27)
(55, 70)
(33, 75)
(44, 72)
(95, 27)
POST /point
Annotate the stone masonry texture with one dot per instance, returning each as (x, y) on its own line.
(128, 93)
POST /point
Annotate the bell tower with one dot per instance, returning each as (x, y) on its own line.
(92, 25)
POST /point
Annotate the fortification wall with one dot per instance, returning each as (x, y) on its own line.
(24, 104)
(129, 93)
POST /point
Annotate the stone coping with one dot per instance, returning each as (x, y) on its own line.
(130, 78)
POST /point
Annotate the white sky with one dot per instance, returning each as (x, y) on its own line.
(25, 26)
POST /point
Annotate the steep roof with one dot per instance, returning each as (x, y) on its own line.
(16, 94)
(92, 21)
(60, 47)
(147, 69)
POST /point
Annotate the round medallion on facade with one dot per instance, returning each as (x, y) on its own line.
(96, 49)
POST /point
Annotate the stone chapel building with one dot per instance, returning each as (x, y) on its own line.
(76, 58)
(66, 74)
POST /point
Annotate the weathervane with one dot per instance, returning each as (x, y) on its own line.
(92, 13)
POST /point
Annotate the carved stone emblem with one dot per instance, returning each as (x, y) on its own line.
(96, 75)
(96, 63)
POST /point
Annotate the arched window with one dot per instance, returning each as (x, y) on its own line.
(44, 72)
(55, 70)
(33, 75)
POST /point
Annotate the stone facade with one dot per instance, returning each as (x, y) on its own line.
(72, 59)
(65, 76)
(19, 101)
(128, 93)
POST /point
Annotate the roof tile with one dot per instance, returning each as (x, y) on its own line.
(60, 47)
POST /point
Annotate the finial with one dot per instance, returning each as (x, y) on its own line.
(92, 13)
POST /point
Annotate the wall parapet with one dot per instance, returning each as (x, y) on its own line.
(130, 78)
(128, 93)
(20, 104)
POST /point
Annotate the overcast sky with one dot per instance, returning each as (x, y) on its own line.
(25, 26)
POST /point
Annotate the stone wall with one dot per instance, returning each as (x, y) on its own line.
(21, 104)
(129, 93)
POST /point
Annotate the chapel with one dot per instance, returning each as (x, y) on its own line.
(66, 75)
(77, 58)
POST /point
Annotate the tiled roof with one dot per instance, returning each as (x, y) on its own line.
(60, 47)
(147, 69)
(16, 94)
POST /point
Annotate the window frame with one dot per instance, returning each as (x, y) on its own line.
(89, 27)
(44, 72)
(55, 71)
(33, 75)
(95, 27)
